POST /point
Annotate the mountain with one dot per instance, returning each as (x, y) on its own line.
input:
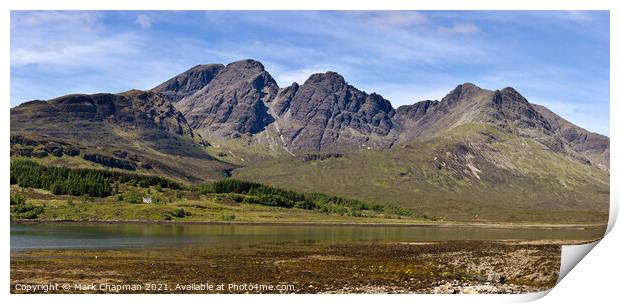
(594, 147)
(505, 109)
(134, 130)
(242, 109)
(489, 155)
(188, 82)
(232, 102)
(327, 114)
(471, 172)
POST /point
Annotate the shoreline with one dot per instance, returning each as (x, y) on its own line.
(360, 268)
(327, 224)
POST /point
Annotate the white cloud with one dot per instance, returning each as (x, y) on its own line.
(144, 21)
(75, 53)
(287, 77)
(80, 19)
(579, 16)
(460, 28)
(394, 18)
(594, 118)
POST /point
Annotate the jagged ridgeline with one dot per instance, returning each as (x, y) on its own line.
(475, 154)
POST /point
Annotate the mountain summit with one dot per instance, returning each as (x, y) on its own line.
(242, 102)
(231, 103)
(474, 154)
(326, 114)
(240, 109)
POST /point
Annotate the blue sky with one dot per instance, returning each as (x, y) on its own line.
(556, 58)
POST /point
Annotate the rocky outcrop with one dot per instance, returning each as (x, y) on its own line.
(429, 118)
(512, 108)
(233, 102)
(327, 114)
(323, 114)
(506, 109)
(100, 117)
(188, 82)
(592, 145)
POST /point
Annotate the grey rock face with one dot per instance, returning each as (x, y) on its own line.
(593, 145)
(468, 103)
(188, 82)
(284, 98)
(327, 114)
(425, 119)
(514, 108)
(233, 102)
(506, 109)
(132, 110)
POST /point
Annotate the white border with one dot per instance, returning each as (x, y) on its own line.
(583, 283)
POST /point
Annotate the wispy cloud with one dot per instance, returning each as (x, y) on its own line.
(406, 56)
(460, 28)
(144, 21)
(579, 16)
(390, 19)
(76, 53)
(81, 19)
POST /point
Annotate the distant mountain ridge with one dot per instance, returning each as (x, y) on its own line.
(140, 130)
(476, 154)
(240, 105)
(325, 114)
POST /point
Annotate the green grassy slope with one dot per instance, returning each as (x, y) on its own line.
(189, 164)
(473, 172)
(60, 193)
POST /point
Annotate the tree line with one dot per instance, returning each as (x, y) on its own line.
(255, 193)
(102, 183)
(78, 182)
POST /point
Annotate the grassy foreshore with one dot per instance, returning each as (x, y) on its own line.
(455, 267)
(350, 267)
(219, 209)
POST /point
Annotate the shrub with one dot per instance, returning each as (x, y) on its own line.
(180, 213)
(17, 199)
(228, 217)
(24, 210)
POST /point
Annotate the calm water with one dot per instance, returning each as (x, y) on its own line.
(95, 236)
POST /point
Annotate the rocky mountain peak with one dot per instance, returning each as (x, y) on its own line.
(242, 71)
(462, 92)
(329, 78)
(246, 64)
(509, 93)
(515, 109)
(326, 114)
(233, 103)
(188, 82)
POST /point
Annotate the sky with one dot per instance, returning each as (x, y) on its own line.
(559, 59)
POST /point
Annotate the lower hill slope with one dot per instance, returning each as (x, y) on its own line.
(473, 172)
(135, 131)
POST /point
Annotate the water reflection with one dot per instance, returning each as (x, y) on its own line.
(83, 235)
